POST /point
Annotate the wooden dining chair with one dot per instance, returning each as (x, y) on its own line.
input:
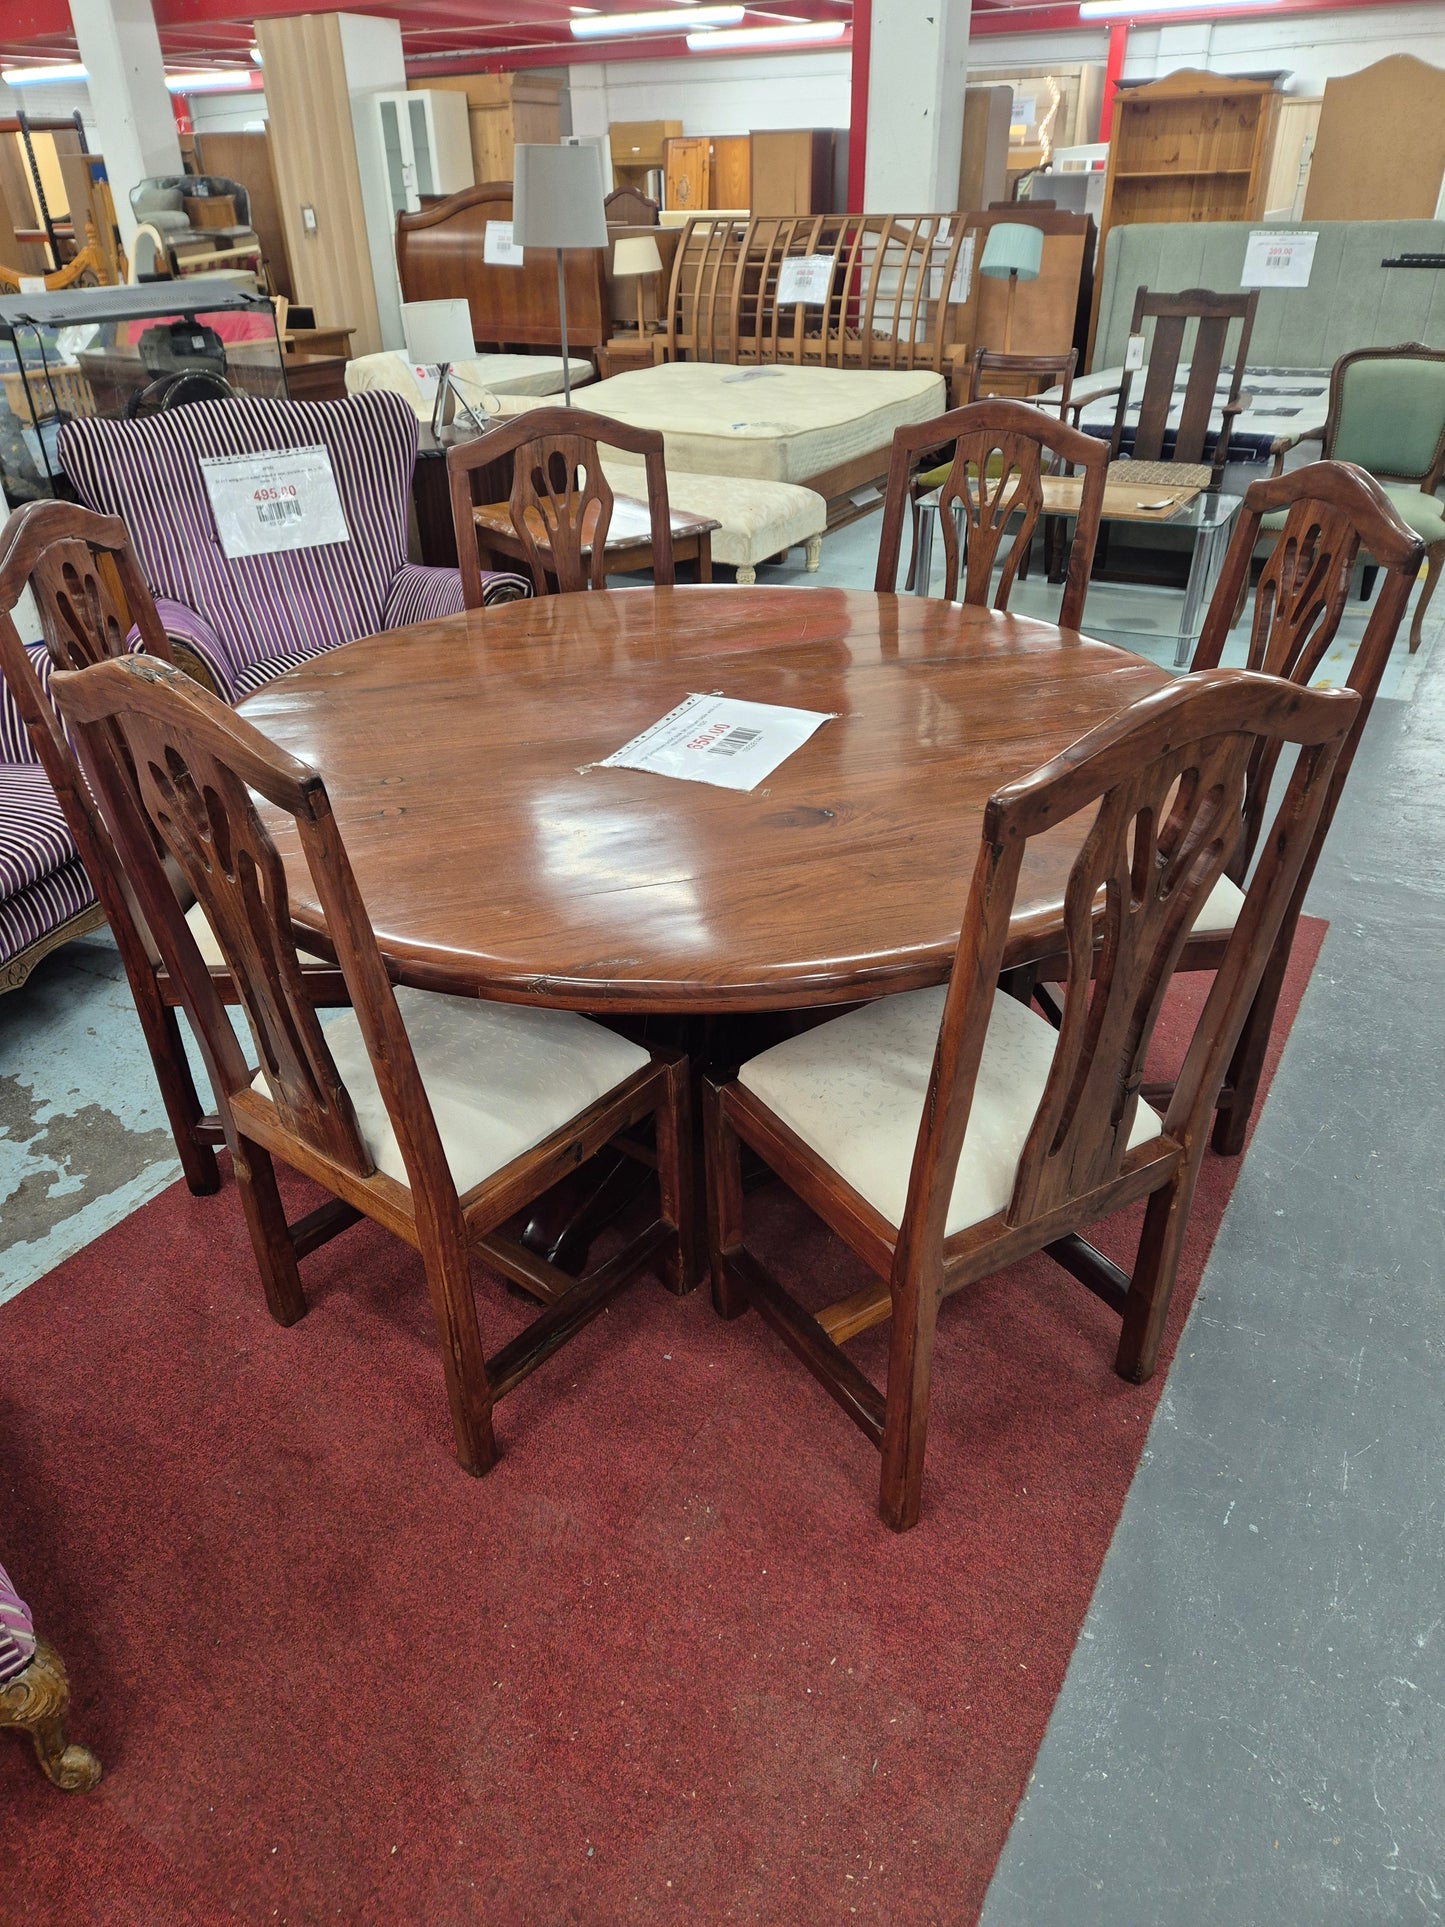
(439, 1117)
(560, 507)
(1332, 514)
(994, 374)
(995, 476)
(946, 1134)
(91, 597)
(1183, 447)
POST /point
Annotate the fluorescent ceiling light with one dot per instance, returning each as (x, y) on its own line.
(1137, 9)
(612, 26)
(805, 34)
(41, 76)
(214, 80)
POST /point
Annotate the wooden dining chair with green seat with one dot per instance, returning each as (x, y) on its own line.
(994, 478)
(1387, 416)
(439, 1117)
(946, 1134)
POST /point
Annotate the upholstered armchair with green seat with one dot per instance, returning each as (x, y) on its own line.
(1387, 415)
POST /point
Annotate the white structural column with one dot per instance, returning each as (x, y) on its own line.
(373, 62)
(918, 62)
(121, 52)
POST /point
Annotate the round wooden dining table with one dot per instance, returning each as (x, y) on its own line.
(497, 858)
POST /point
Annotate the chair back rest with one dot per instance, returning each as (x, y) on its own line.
(260, 606)
(90, 597)
(1165, 783)
(560, 506)
(1212, 315)
(173, 767)
(1387, 412)
(996, 474)
(1049, 371)
(1334, 513)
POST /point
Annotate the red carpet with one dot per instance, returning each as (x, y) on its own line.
(665, 1664)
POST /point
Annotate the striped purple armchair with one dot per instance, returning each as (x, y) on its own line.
(35, 1696)
(249, 618)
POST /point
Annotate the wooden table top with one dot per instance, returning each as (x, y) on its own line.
(493, 855)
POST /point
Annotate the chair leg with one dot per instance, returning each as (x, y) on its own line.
(1434, 563)
(464, 1361)
(162, 1032)
(723, 1164)
(911, 578)
(1152, 1284)
(905, 1426)
(37, 1702)
(686, 1259)
(266, 1222)
(1246, 1067)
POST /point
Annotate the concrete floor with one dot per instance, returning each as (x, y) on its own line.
(1252, 1726)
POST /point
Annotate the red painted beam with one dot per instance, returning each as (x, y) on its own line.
(1113, 68)
(858, 103)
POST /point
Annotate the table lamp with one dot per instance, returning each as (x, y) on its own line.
(1013, 250)
(637, 254)
(557, 203)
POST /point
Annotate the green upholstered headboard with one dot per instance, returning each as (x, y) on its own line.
(1351, 301)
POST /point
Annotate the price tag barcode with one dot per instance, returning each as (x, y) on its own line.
(275, 513)
(735, 740)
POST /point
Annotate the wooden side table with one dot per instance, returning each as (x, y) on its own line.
(628, 545)
(623, 353)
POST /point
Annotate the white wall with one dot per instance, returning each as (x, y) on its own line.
(228, 113)
(713, 94)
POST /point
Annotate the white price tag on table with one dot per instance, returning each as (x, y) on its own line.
(1278, 260)
(499, 250)
(805, 278)
(266, 504)
(32, 284)
(719, 740)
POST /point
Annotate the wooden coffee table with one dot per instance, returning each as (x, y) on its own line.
(496, 858)
(629, 537)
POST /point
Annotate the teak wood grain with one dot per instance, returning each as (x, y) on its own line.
(460, 757)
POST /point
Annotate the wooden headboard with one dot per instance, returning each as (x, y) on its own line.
(904, 290)
(888, 304)
(439, 255)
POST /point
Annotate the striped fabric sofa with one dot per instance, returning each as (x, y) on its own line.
(45, 895)
(248, 619)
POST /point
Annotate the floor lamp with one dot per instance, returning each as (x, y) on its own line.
(1015, 251)
(557, 203)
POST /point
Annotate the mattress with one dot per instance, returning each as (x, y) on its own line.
(478, 379)
(767, 424)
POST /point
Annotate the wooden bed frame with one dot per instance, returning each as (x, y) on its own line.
(439, 255)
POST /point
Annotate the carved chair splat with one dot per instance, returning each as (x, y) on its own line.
(994, 475)
(560, 506)
(170, 764)
(1166, 781)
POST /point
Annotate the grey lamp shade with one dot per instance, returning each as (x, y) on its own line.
(557, 197)
(1011, 248)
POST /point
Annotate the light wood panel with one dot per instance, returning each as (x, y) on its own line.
(732, 170)
(1295, 123)
(504, 109)
(1380, 144)
(313, 152)
(247, 158)
(689, 173)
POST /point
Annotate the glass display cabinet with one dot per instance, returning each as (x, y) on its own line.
(122, 352)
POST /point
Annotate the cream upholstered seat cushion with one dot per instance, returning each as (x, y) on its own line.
(500, 1077)
(1221, 910)
(756, 519)
(854, 1090)
(200, 928)
(772, 424)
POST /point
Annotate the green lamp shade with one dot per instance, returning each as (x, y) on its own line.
(1012, 248)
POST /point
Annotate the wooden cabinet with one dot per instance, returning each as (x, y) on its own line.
(1190, 147)
(1379, 151)
(688, 168)
(503, 109)
(426, 146)
(638, 153)
(794, 171)
(731, 167)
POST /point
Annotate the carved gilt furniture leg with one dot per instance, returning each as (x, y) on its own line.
(814, 554)
(36, 1702)
(747, 576)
